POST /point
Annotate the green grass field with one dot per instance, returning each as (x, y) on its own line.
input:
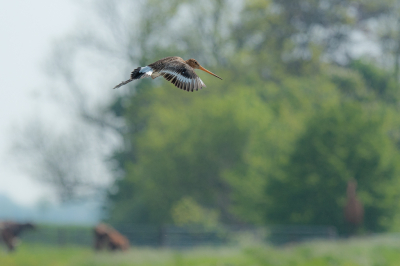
(376, 251)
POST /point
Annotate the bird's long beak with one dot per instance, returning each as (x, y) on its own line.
(205, 70)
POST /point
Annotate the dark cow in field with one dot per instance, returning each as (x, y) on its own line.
(107, 237)
(353, 210)
(10, 232)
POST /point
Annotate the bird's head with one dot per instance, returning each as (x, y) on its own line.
(195, 65)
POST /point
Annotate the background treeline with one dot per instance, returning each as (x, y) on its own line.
(309, 101)
(275, 142)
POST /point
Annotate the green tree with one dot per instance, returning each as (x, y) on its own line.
(378, 81)
(220, 148)
(339, 144)
(227, 145)
(188, 144)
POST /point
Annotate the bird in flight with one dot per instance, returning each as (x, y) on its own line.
(174, 69)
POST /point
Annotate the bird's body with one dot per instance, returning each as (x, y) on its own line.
(174, 69)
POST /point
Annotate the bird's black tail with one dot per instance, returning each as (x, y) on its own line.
(134, 75)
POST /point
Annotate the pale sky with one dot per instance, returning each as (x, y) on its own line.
(28, 30)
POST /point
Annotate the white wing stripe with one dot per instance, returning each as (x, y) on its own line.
(168, 72)
(146, 70)
(191, 84)
(179, 76)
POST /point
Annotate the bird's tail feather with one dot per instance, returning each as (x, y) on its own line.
(123, 83)
(138, 73)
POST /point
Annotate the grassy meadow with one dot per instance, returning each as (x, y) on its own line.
(382, 250)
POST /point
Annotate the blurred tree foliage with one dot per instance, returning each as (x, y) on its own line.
(187, 212)
(340, 143)
(296, 116)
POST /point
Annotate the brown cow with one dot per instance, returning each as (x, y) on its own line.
(106, 236)
(353, 210)
(10, 232)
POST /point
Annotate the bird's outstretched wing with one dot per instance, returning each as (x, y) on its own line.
(175, 70)
(183, 77)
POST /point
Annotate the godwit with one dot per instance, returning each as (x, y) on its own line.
(175, 69)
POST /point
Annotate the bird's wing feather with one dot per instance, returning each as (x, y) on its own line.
(181, 75)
